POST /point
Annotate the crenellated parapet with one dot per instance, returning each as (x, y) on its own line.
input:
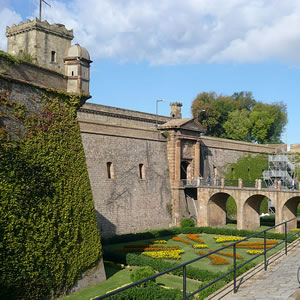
(36, 24)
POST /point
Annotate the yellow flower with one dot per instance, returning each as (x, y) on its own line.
(199, 246)
(160, 242)
(254, 252)
(222, 239)
(171, 254)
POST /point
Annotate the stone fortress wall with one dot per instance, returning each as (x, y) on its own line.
(123, 140)
(134, 164)
(128, 168)
(138, 195)
(32, 74)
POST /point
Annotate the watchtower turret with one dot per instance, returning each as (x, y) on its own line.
(77, 68)
(176, 110)
(47, 44)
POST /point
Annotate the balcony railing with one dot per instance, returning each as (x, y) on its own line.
(222, 183)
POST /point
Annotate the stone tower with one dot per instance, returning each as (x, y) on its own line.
(47, 44)
(77, 68)
(176, 110)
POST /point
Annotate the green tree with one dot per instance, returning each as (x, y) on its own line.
(238, 126)
(268, 122)
(212, 111)
(240, 117)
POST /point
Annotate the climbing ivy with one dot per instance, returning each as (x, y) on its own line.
(9, 58)
(248, 168)
(48, 229)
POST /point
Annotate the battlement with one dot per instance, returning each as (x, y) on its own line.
(36, 24)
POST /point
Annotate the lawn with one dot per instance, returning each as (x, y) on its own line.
(118, 276)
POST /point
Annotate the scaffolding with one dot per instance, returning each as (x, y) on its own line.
(280, 168)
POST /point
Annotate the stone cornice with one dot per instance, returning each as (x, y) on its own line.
(120, 116)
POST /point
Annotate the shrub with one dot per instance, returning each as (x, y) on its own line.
(162, 265)
(187, 223)
(140, 273)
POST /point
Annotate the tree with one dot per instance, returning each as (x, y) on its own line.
(238, 126)
(240, 117)
(212, 111)
(268, 122)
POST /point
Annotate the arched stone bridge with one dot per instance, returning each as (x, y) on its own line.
(212, 205)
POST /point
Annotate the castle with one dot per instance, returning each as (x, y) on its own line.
(137, 162)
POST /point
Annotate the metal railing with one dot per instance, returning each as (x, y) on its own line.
(233, 271)
(217, 182)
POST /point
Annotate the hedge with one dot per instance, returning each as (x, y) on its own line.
(48, 228)
(153, 292)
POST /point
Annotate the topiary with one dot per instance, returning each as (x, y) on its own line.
(141, 273)
(187, 223)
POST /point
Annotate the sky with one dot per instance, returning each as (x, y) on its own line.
(147, 50)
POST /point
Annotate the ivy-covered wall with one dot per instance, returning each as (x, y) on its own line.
(48, 229)
(248, 168)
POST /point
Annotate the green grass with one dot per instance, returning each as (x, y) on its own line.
(116, 277)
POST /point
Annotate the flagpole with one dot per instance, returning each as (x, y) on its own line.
(40, 10)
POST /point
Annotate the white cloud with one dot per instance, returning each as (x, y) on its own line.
(180, 32)
(7, 18)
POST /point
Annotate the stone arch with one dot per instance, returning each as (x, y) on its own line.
(251, 212)
(185, 170)
(217, 209)
(289, 211)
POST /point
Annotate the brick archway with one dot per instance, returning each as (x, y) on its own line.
(217, 209)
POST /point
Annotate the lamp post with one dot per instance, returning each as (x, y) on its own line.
(160, 100)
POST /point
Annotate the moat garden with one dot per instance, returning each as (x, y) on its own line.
(131, 257)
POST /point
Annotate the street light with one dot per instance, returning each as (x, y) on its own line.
(160, 100)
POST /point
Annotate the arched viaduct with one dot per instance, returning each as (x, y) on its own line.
(212, 206)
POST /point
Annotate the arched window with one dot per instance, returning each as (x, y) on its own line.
(142, 174)
(110, 170)
(53, 56)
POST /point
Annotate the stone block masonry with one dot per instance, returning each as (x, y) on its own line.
(127, 202)
(128, 171)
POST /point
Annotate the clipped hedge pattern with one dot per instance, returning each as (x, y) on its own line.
(48, 229)
(154, 234)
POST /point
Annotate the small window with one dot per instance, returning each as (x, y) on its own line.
(110, 170)
(53, 56)
(72, 73)
(141, 171)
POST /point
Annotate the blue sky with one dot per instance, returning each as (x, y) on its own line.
(147, 50)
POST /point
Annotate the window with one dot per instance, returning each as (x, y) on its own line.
(72, 73)
(110, 170)
(142, 171)
(53, 56)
